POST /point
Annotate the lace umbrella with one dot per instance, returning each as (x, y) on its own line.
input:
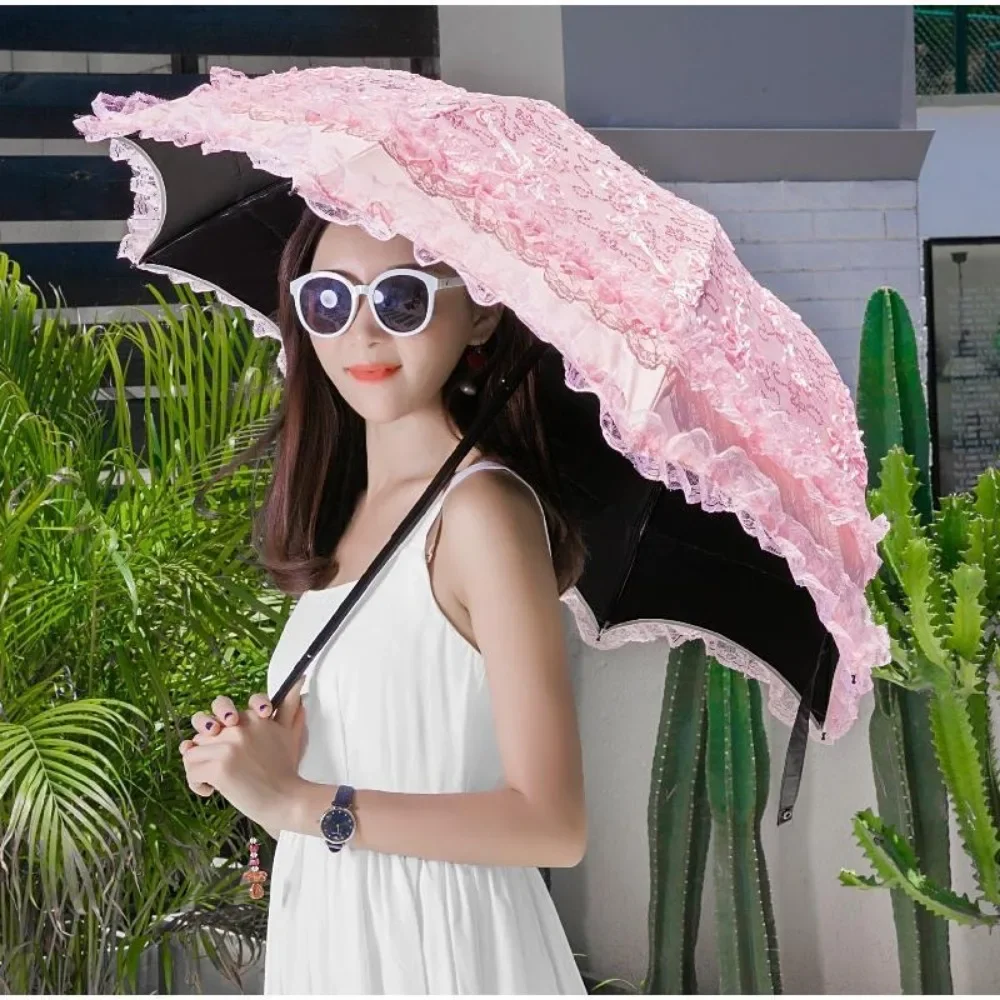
(707, 437)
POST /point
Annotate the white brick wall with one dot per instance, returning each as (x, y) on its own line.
(823, 248)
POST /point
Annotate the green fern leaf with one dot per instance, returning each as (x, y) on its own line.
(69, 806)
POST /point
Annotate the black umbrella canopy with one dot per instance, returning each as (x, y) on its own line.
(652, 555)
(655, 556)
(219, 201)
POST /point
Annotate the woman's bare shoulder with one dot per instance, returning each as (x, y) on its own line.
(491, 525)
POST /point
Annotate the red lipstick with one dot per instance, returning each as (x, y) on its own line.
(372, 373)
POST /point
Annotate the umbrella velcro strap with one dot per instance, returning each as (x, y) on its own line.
(795, 759)
(795, 756)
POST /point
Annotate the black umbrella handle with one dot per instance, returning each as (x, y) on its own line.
(508, 384)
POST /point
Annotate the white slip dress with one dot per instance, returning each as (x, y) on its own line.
(399, 702)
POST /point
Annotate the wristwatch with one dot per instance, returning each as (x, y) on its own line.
(338, 823)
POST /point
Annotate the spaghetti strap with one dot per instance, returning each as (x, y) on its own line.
(490, 464)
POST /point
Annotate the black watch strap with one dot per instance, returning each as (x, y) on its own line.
(343, 800)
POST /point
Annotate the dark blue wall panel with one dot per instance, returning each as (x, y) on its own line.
(68, 188)
(89, 274)
(43, 105)
(355, 31)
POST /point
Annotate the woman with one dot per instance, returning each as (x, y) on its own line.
(429, 762)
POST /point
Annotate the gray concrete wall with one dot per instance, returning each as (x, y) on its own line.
(737, 67)
(504, 50)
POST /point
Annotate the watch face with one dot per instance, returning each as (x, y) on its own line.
(338, 824)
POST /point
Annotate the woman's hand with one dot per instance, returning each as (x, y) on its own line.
(251, 758)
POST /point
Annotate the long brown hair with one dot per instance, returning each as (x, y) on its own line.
(320, 466)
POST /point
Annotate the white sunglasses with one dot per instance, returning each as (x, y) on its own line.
(401, 300)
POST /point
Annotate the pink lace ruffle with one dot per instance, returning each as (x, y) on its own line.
(782, 702)
(706, 381)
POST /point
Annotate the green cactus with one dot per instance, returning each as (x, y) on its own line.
(958, 755)
(890, 399)
(943, 625)
(710, 768)
(893, 858)
(679, 824)
(902, 752)
(738, 778)
(911, 795)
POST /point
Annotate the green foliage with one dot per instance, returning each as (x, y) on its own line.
(123, 610)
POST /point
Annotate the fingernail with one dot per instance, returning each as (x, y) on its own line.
(263, 708)
(209, 725)
(229, 715)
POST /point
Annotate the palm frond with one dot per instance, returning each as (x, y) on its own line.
(69, 811)
(130, 596)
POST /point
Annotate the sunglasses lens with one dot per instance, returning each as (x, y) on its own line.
(401, 302)
(326, 304)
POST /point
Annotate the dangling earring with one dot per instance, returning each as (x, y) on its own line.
(475, 358)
